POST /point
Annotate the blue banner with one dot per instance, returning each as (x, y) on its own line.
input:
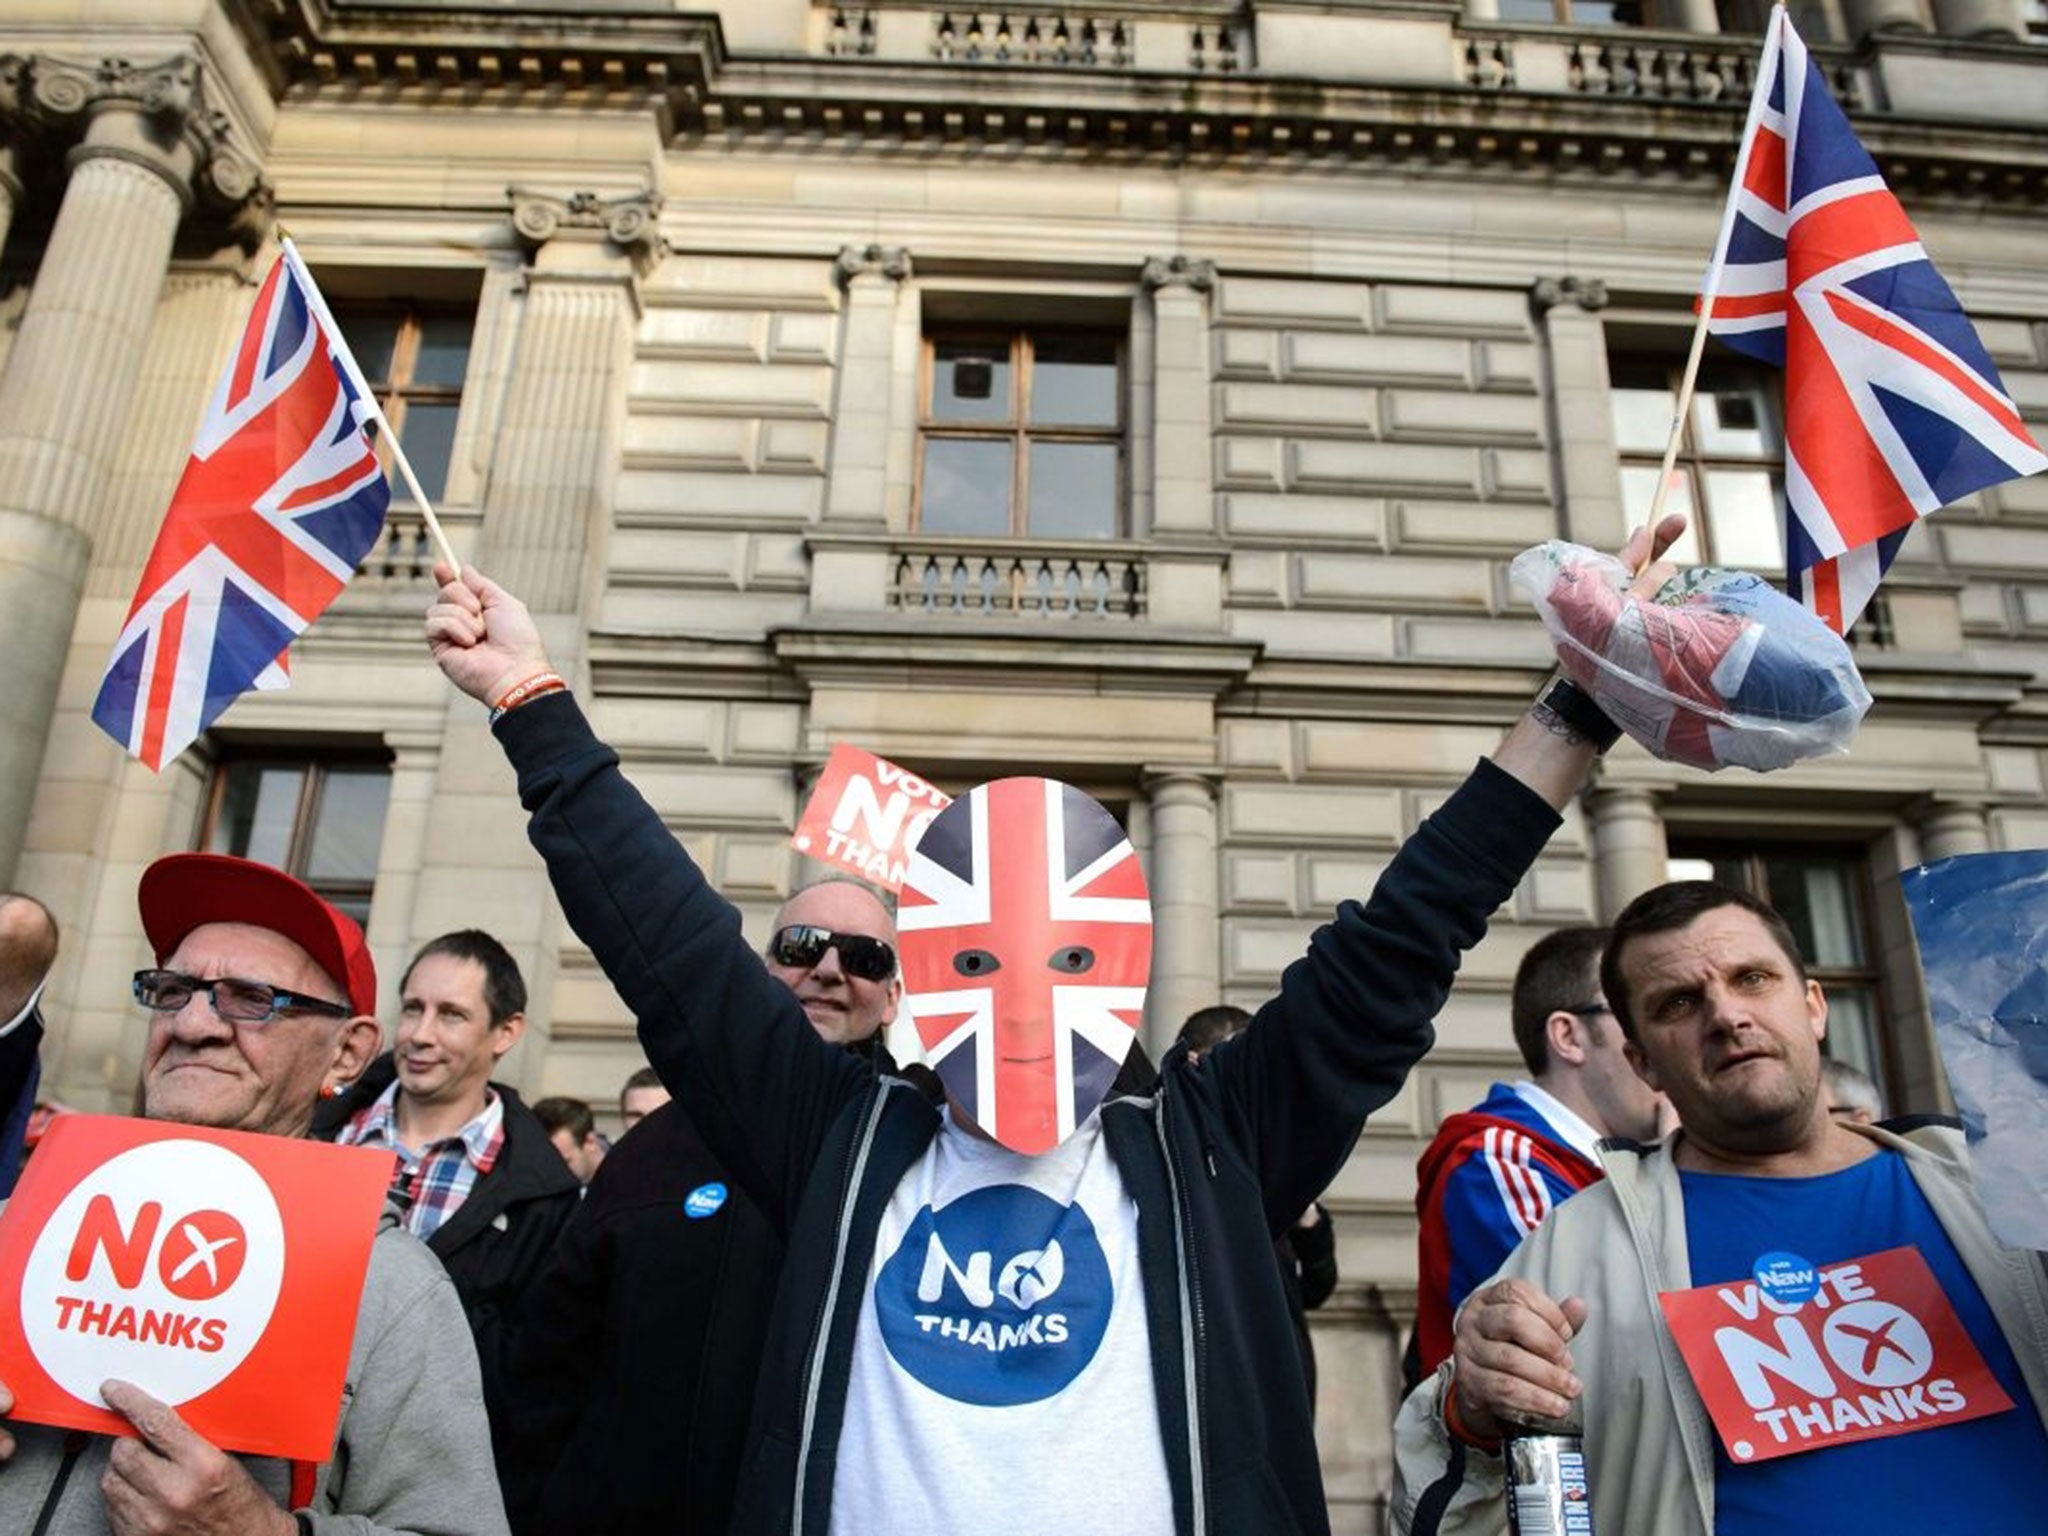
(1981, 921)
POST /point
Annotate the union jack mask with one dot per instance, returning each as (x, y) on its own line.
(1026, 938)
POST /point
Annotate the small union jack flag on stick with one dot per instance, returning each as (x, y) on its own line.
(281, 500)
(1893, 408)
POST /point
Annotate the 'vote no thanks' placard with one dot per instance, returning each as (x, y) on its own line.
(219, 1271)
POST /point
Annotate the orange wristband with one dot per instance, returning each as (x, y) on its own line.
(1454, 1421)
(521, 693)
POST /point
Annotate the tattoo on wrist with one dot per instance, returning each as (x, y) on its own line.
(1556, 724)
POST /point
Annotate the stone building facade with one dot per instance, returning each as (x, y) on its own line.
(1149, 393)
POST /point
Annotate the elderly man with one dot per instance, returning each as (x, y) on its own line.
(1760, 1199)
(263, 995)
(634, 1373)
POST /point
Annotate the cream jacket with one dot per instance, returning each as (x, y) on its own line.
(1649, 1441)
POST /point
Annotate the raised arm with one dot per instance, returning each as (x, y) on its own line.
(729, 1040)
(1356, 1013)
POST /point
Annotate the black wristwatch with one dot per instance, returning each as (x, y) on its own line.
(1575, 707)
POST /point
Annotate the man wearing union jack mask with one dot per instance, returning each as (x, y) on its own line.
(1045, 1271)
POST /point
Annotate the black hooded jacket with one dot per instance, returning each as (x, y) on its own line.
(1219, 1158)
(633, 1369)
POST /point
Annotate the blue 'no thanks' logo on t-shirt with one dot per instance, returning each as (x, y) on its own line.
(1001, 1298)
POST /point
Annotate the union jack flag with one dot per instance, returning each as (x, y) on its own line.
(1892, 405)
(282, 497)
(1026, 944)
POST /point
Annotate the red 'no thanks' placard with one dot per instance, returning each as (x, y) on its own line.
(217, 1270)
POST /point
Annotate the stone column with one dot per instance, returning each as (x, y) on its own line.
(855, 572)
(1951, 827)
(1186, 959)
(1174, 456)
(147, 143)
(546, 513)
(1581, 407)
(873, 277)
(548, 500)
(1629, 853)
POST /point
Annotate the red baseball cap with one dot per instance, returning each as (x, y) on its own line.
(183, 891)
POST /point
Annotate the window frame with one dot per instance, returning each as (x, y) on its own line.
(317, 764)
(1019, 431)
(1696, 463)
(398, 392)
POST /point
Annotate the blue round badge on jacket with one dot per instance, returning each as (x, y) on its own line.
(1787, 1279)
(1002, 1297)
(704, 1201)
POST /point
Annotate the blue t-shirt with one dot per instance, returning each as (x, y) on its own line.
(1986, 1474)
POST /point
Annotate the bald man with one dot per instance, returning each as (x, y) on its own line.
(657, 1299)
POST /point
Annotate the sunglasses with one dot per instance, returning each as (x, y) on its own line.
(233, 999)
(801, 946)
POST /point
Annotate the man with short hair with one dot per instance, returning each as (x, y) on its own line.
(1851, 1095)
(262, 996)
(481, 1184)
(572, 1127)
(634, 1368)
(641, 1097)
(28, 951)
(1762, 1195)
(1493, 1173)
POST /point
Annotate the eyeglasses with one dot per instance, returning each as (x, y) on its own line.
(1589, 1010)
(233, 999)
(801, 946)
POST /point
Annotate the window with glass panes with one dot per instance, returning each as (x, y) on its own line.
(414, 357)
(318, 817)
(1825, 895)
(1022, 435)
(1730, 472)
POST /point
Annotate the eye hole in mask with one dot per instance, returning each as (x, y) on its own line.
(1073, 960)
(976, 962)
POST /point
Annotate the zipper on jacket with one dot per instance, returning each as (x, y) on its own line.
(814, 1377)
(74, 1444)
(1190, 1328)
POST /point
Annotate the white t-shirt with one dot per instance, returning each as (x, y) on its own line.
(1002, 1374)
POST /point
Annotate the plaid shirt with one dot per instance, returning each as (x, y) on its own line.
(433, 1182)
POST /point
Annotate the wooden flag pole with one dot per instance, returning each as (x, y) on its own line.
(1710, 289)
(369, 398)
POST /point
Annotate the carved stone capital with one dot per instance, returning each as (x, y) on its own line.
(632, 222)
(1549, 292)
(1178, 272)
(169, 128)
(168, 91)
(890, 261)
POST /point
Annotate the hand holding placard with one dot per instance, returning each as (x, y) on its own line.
(170, 1477)
(218, 1270)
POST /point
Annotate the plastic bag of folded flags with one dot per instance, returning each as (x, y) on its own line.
(1719, 668)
